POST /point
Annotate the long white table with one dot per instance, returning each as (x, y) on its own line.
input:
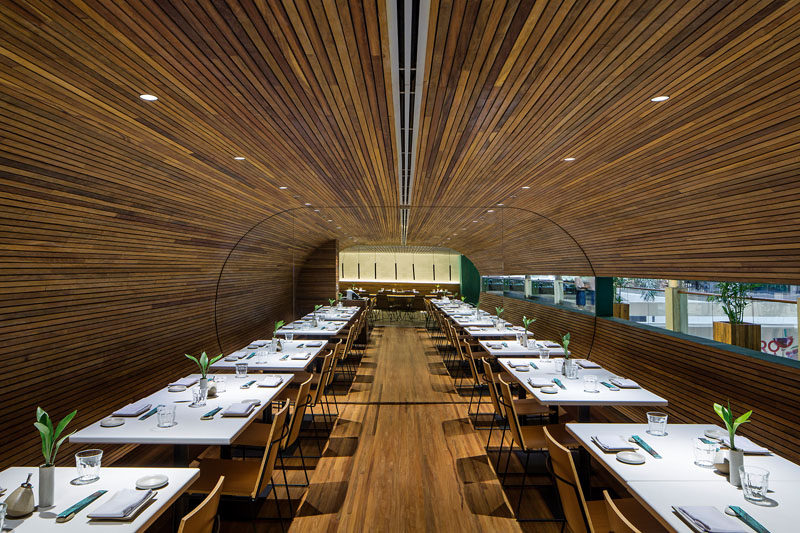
(260, 360)
(483, 321)
(492, 332)
(674, 480)
(111, 479)
(190, 429)
(303, 328)
(511, 348)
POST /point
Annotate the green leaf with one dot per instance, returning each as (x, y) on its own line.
(63, 423)
(203, 360)
(57, 446)
(215, 359)
(46, 435)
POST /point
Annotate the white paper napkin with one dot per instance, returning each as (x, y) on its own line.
(540, 382)
(625, 383)
(270, 381)
(746, 445)
(710, 519)
(121, 504)
(302, 356)
(611, 442)
(186, 382)
(132, 409)
(239, 409)
(585, 363)
(315, 344)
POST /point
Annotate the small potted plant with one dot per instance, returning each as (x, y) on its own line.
(51, 442)
(570, 368)
(331, 301)
(463, 298)
(499, 320)
(314, 315)
(204, 363)
(526, 322)
(622, 309)
(275, 341)
(340, 297)
(733, 297)
(735, 455)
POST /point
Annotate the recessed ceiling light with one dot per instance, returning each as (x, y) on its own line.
(474, 220)
(338, 227)
(569, 159)
(490, 211)
(525, 187)
(148, 97)
(284, 188)
(659, 99)
(329, 220)
(500, 205)
(308, 203)
(316, 210)
(239, 158)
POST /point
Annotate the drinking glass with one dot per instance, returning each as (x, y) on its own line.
(289, 336)
(220, 381)
(88, 464)
(590, 384)
(704, 454)
(241, 370)
(198, 399)
(559, 365)
(657, 423)
(755, 483)
(572, 369)
(544, 353)
(3, 508)
(166, 413)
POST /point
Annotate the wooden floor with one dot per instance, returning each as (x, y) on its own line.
(404, 456)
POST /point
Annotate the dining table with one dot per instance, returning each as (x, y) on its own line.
(112, 479)
(295, 356)
(305, 328)
(502, 348)
(674, 480)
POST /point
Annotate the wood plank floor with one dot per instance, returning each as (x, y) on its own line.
(403, 455)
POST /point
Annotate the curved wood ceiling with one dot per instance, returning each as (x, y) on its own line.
(703, 185)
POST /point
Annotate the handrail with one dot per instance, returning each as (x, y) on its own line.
(715, 294)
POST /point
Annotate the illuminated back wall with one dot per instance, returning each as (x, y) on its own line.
(400, 264)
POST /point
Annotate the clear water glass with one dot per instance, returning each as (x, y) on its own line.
(704, 454)
(657, 423)
(755, 483)
(590, 384)
(559, 366)
(544, 353)
(289, 336)
(166, 413)
(88, 464)
(241, 370)
(571, 369)
(220, 381)
(198, 399)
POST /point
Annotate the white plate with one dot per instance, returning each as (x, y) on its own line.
(176, 388)
(549, 390)
(522, 368)
(112, 422)
(155, 481)
(630, 458)
(715, 433)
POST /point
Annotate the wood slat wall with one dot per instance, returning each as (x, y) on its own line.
(690, 375)
(317, 278)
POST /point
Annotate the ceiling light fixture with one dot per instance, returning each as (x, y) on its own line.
(308, 203)
(490, 211)
(239, 158)
(283, 188)
(500, 205)
(148, 97)
(474, 220)
(329, 220)
(525, 187)
(569, 159)
(659, 99)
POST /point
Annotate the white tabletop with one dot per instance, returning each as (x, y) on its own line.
(491, 332)
(778, 514)
(677, 452)
(483, 321)
(189, 429)
(514, 349)
(323, 328)
(282, 361)
(574, 393)
(111, 479)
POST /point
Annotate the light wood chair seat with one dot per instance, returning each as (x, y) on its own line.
(240, 477)
(530, 406)
(254, 435)
(535, 439)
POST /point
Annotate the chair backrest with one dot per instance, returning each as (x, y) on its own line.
(569, 488)
(338, 349)
(616, 520)
(301, 402)
(202, 518)
(323, 379)
(382, 301)
(507, 402)
(487, 371)
(466, 353)
(276, 432)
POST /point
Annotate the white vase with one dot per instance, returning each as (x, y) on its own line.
(273, 346)
(47, 487)
(204, 384)
(735, 460)
(525, 340)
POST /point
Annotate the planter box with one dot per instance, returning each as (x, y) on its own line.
(744, 335)
(622, 311)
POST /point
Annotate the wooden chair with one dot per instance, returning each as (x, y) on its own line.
(250, 480)
(203, 518)
(530, 439)
(616, 520)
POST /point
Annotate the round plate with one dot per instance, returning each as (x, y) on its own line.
(155, 481)
(522, 368)
(715, 433)
(112, 422)
(549, 390)
(630, 458)
(176, 388)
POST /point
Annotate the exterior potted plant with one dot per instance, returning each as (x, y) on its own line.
(735, 455)
(733, 298)
(622, 309)
(526, 322)
(203, 363)
(51, 442)
(570, 368)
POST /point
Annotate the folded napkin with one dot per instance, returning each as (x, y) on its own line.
(625, 383)
(746, 445)
(709, 519)
(232, 358)
(494, 345)
(585, 363)
(552, 345)
(186, 382)
(539, 382)
(133, 409)
(289, 326)
(260, 343)
(239, 409)
(302, 356)
(270, 381)
(315, 344)
(610, 442)
(122, 503)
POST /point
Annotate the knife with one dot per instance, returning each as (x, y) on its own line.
(247, 385)
(747, 519)
(69, 513)
(210, 415)
(300, 345)
(646, 447)
(251, 355)
(285, 357)
(505, 345)
(151, 412)
(533, 365)
(558, 382)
